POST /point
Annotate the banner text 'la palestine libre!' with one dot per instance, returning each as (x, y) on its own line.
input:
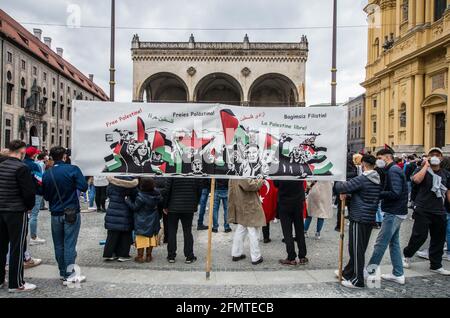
(210, 139)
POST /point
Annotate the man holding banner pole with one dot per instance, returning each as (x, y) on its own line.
(365, 191)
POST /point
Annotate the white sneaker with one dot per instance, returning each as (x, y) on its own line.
(25, 288)
(406, 262)
(74, 279)
(124, 259)
(36, 241)
(441, 271)
(392, 278)
(348, 284)
(275, 220)
(317, 236)
(423, 254)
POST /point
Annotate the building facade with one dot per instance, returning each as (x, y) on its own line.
(407, 75)
(356, 117)
(237, 73)
(37, 88)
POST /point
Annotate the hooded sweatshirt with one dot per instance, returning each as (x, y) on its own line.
(365, 191)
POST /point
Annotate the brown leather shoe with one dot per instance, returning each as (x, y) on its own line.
(287, 262)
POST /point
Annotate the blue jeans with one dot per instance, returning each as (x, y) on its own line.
(220, 195)
(91, 195)
(389, 236)
(320, 223)
(379, 216)
(34, 216)
(65, 237)
(203, 201)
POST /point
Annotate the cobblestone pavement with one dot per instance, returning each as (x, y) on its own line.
(323, 255)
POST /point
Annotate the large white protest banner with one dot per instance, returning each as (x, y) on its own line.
(209, 140)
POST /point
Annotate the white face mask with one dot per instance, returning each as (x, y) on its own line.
(380, 163)
(435, 161)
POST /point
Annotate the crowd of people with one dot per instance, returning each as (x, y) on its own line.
(146, 212)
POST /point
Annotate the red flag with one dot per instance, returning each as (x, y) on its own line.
(194, 142)
(270, 141)
(140, 130)
(158, 140)
(229, 125)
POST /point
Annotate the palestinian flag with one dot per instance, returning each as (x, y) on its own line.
(162, 146)
(319, 165)
(270, 142)
(193, 141)
(159, 168)
(116, 147)
(113, 162)
(141, 134)
(241, 134)
(229, 125)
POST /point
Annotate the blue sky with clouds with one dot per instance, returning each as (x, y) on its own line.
(88, 48)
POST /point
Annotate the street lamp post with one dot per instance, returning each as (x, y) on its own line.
(111, 67)
(333, 66)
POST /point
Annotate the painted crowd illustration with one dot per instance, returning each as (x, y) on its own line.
(232, 151)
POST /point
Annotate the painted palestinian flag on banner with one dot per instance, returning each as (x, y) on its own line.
(162, 146)
(113, 162)
(232, 130)
(319, 164)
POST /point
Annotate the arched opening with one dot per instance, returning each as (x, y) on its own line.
(33, 133)
(164, 87)
(219, 88)
(273, 90)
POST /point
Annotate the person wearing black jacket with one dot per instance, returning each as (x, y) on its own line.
(17, 197)
(160, 186)
(352, 172)
(181, 200)
(291, 196)
(365, 190)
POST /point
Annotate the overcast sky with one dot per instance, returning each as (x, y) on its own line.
(88, 48)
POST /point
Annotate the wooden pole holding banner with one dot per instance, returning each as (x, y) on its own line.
(341, 239)
(210, 225)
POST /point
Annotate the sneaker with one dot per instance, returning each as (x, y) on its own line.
(317, 236)
(258, 261)
(110, 259)
(36, 241)
(171, 260)
(238, 258)
(201, 227)
(124, 259)
(303, 261)
(228, 230)
(406, 262)
(32, 262)
(441, 271)
(73, 280)
(25, 288)
(190, 260)
(348, 284)
(392, 278)
(275, 220)
(423, 254)
(215, 230)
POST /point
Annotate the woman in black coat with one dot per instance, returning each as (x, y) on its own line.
(146, 218)
(119, 218)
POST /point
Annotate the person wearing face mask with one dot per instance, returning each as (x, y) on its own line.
(432, 186)
(365, 190)
(394, 205)
(17, 197)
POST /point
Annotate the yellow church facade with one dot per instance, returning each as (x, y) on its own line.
(407, 75)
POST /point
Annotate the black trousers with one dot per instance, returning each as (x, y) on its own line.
(13, 233)
(425, 222)
(292, 214)
(118, 244)
(358, 239)
(266, 231)
(100, 197)
(186, 223)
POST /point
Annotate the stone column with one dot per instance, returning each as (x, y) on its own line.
(368, 121)
(429, 12)
(420, 12)
(396, 106)
(447, 121)
(398, 17)
(418, 138)
(381, 129)
(411, 14)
